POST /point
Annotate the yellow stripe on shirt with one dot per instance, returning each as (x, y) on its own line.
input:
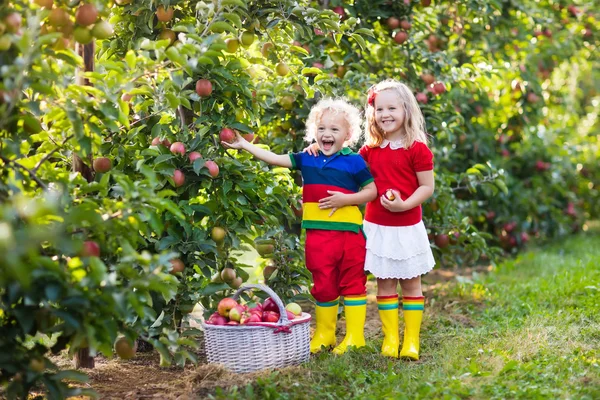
(349, 214)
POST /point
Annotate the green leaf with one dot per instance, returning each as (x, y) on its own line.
(221, 26)
(299, 49)
(234, 19)
(238, 3)
(501, 185)
(365, 31)
(359, 40)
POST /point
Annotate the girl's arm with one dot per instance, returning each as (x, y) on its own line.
(260, 153)
(423, 192)
(339, 199)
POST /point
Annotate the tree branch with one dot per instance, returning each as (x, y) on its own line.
(47, 156)
(30, 172)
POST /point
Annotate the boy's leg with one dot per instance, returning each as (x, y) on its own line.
(352, 283)
(321, 261)
(413, 304)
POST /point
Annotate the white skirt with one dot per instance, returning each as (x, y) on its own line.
(397, 252)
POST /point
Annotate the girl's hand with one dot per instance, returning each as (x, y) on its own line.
(238, 143)
(335, 201)
(312, 149)
(396, 205)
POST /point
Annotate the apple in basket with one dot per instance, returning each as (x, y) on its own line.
(235, 314)
(256, 310)
(270, 305)
(294, 308)
(217, 319)
(290, 315)
(270, 316)
(232, 323)
(248, 317)
(225, 306)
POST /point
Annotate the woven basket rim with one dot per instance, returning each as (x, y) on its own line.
(306, 317)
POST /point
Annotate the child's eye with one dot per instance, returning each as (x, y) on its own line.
(392, 108)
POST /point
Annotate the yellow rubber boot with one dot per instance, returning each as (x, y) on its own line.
(355, 309)
(413, 314)
(388, 312)
(326, 320)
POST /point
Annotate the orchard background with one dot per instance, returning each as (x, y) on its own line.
(119, 209)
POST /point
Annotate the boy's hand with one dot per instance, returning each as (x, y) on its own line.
(335, 201)
(395, 205)
(238, 143)
(312, 149)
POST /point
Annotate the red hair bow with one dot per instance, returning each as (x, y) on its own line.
(371, 98)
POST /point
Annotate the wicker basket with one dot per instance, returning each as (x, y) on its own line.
(260, 345)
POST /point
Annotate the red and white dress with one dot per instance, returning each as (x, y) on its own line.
(397, 243)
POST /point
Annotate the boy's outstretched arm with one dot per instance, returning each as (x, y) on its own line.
(282, 160)
(339, 199)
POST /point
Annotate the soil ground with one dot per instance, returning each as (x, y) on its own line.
(143, 378)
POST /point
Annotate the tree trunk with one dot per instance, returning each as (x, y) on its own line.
(83, 358)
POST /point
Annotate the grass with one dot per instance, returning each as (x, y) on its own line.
(529, 329)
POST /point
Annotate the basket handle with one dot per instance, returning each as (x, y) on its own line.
(283, 319)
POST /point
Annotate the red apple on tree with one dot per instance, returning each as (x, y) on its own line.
(421, 98)
(176, 266)
(225, 306)
(178, 148)
(339, 10)
(405, 24)
(393, 23)
(427, 78)
(102, 164)
(213, 168)
(164, 15)
(90, 249)
(194, 155)
(442, 240)
(439, 87)
(400, 37)
(178, 178)
(204, 88)
(86, 14)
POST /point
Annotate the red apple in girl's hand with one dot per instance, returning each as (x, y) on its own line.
(389, 194)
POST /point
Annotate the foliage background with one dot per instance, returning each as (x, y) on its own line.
(514, 132)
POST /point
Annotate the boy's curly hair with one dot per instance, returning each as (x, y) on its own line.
(351, 114)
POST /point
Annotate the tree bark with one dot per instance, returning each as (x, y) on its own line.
(82, 357)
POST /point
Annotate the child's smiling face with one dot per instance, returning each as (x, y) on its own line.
(389, 112)
(332, 131)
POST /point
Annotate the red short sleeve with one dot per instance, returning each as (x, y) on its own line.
(364, 153)
(422, 157)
